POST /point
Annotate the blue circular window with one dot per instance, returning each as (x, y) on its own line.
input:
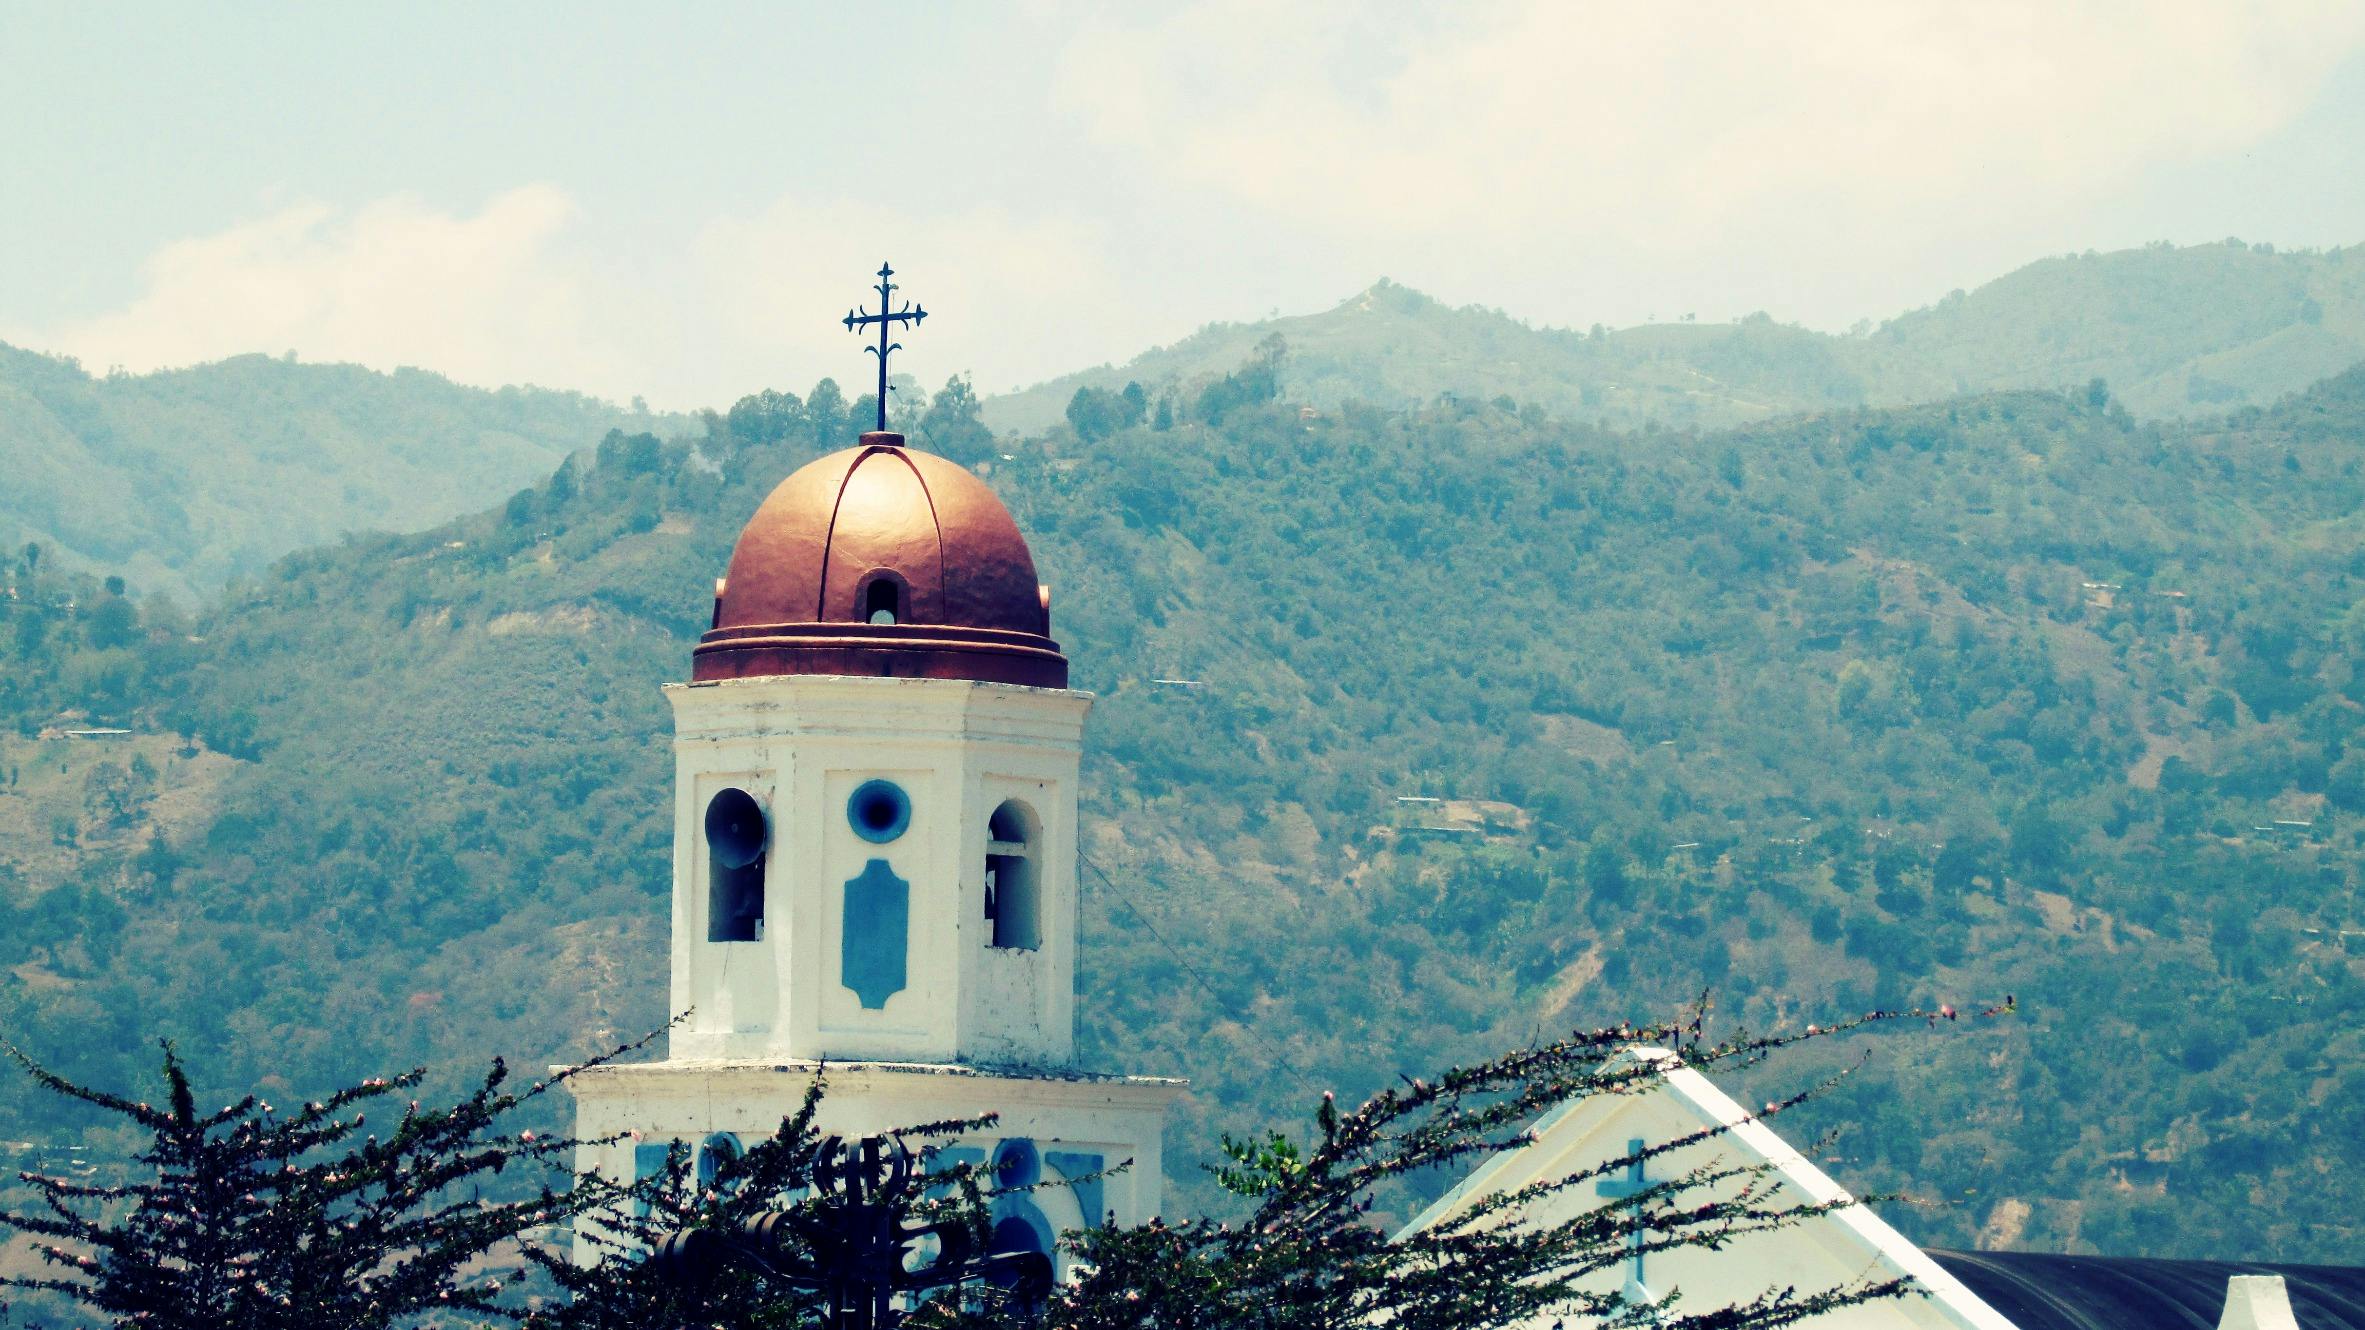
(717, 1150)
(1017, 1164)
(879, 810)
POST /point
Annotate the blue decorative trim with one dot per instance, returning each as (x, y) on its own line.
(1081, 1172)
(948, 1158)
(879, 811)
(1012, 1215)
(711, 1153)
(875, 935)
(1017, 1164)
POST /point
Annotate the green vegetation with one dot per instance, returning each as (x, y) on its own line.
(182, 479)
(1308, 1256)
(2014, 693)
(266, 1219)
(2175, 331)
(251, 1218)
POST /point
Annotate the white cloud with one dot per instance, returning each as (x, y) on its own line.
(487, 298)
(1010, 299)
(1742, 136)
(1568, 161)
(521, 291)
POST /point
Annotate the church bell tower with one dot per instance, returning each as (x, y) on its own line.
(875, 799)
(874, 865)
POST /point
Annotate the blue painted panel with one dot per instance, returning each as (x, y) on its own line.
(648, 1161)
(1090, 1195)
(876, 935)
(949, 1157)
(648, 1158)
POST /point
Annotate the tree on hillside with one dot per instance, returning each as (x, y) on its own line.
(765, 417)
(951, 426)
(826, 415)
(1259, 380)
(1097, 413)
(114, 621)
(253, 1218)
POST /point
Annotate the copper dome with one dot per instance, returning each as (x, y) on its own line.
(882, 561)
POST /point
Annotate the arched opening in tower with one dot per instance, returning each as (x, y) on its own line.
(737, 841)
(1013, 904)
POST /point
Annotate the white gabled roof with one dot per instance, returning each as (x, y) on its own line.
(1835, 1247)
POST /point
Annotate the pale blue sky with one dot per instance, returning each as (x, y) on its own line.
(615, 199)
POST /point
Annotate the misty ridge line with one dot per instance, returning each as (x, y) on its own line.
(1399, 297)
(211, 472)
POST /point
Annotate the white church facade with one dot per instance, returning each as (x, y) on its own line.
(875, 856)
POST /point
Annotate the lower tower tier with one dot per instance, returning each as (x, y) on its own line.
(1059, 1129)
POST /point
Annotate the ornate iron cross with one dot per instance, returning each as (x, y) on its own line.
(851, 1245)
(887, 317)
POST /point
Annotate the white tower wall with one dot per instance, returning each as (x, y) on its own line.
(802, 745)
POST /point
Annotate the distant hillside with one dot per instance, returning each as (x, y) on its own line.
(2174, 331)
(183, 479)
(2014, 693)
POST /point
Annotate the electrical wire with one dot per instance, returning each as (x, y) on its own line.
(1272, 1050)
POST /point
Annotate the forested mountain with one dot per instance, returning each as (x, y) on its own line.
(2012, 694)
(183, 479)
(2175, 331)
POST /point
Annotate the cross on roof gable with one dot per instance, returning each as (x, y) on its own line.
(1820, 1252)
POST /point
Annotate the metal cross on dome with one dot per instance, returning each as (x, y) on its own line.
(886, 318)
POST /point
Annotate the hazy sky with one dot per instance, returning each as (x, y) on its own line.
(679, 205)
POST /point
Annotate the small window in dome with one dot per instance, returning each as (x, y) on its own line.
(883, 601)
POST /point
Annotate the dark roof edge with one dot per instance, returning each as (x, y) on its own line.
(2055, 1291)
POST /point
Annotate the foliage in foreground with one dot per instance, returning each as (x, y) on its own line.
(1311, 1254)
(781, 1176)
(1309, 1257)
(253, 1218)
(245, 1218)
